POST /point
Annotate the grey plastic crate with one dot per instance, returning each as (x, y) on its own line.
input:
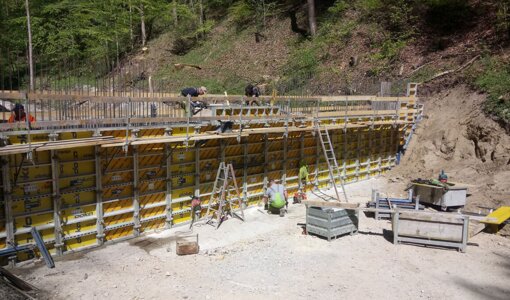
(331, 222)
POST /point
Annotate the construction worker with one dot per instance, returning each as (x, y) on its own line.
(253, 92)
(196, 106)
(196, 208)
(276, 197)
(303, 176)
(19, 115)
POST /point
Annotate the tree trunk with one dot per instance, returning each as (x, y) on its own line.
(131, 34)
(201, 8)
(142, 21)
(30, 60)
(311, 17)
(174, 12)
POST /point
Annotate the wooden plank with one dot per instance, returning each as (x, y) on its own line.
(76, 145)
(434, 217)
(17, 282)
(500, 215)
(331, 204)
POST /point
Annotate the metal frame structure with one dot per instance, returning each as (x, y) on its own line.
(104, 168)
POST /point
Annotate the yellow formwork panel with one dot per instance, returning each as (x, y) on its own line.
(152, 212)
(33, 220)
(32, 205)
(21, 256)
(23, 138)
(70, 184)
(74, 135)
(26, 238)
(118, 233)
(77, 243)
(208, 153)
(179, 192)
(151, 199)
(152, 187)
(234, 150)
(76, 154)
(117, 163)
(181, 155)
(150, 133)
(181, 181)
(117, 205)
(118, 219)
(116, 133)
(153, 225)
(76, 168)
(255, 148)
(76, 213)
(182, 217)
(78, 228)
(274, 175)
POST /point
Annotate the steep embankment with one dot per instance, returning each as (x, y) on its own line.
(455, 136)
(352, 54)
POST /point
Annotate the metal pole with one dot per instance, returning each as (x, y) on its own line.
(168, 198)
(57, 203)
(99, 198)
(9, 219)
(136, 194)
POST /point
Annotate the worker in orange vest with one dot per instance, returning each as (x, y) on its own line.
(19, 114)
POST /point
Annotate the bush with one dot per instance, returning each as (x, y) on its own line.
(390, 49)
(338, 8)
(495, 81)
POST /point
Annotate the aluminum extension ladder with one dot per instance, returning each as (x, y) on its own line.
(329, 155)
(224, 197)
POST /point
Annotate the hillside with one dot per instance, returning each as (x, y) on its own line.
(457, 50)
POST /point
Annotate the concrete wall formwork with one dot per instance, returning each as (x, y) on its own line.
(80, 197)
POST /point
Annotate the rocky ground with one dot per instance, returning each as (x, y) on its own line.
(269, 257)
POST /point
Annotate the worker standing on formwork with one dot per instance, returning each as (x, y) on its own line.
(276, 198)
(196, 106)
(253, 92)
(19, 114)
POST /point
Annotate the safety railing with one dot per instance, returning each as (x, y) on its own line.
(61, 111)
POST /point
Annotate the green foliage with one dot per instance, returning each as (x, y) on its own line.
(396, 16)
(503, 19)
(390, 49)
(241, 13)
(495, 81)
(302, 65)
(338, 8)
(369, 6)
(248, 12)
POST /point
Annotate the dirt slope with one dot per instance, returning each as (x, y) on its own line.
(457, 137)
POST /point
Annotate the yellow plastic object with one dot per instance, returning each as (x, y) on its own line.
(501, 215)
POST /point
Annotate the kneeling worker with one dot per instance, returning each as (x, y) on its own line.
(196, 106)
(276, 197)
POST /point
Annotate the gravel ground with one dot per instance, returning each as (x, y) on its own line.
(269, 257)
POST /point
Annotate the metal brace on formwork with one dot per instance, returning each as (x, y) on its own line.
(238, 138)
(188, 120)
(125, 147)
(30, 157)
(287, 114)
